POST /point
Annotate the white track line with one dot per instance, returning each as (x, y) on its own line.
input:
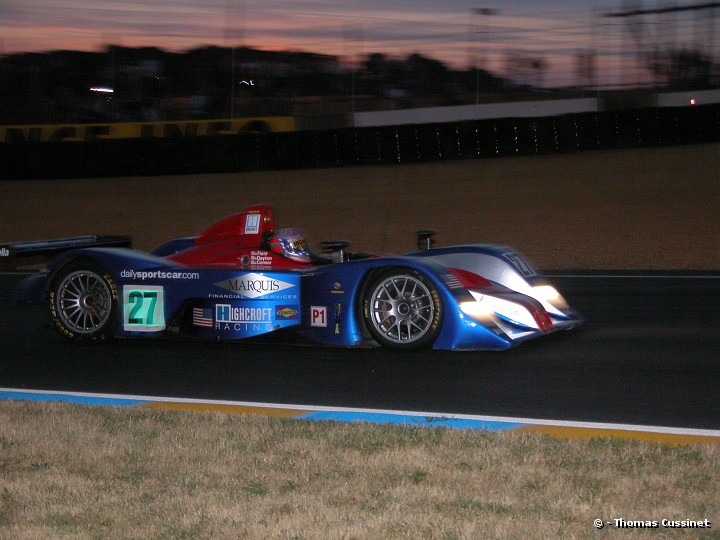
(627, 276)
(423, 414)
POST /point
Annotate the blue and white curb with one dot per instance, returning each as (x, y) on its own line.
(558, 428)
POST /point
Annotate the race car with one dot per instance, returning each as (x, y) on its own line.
(243, 278)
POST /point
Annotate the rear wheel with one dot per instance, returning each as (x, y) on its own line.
(402, 309)
(83, 302)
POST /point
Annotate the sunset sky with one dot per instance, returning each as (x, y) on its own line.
(448, 30)
(326, 25)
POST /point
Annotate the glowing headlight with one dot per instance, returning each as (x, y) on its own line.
(480, 311)
(549, 294)
(486, 307)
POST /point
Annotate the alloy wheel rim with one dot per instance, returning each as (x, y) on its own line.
(402, 309)
(84, 302)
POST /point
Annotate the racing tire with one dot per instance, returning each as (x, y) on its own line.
(83, 302)
(402, 309)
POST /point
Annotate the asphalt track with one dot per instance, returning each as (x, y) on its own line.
(648, 355)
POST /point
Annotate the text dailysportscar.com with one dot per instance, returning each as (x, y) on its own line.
(158, 274)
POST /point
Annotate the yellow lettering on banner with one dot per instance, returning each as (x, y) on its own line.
(134, 130)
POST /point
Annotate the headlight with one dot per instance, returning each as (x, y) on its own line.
(480, 311)
(549, 294)
(486, 307)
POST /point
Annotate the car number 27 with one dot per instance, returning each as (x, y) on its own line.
(143, 308)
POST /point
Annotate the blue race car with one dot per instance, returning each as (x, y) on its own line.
(243, 278)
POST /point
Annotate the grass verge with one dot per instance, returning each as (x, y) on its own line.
(70, 471)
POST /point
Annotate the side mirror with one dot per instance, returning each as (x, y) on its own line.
(424, 239)
(337, 248)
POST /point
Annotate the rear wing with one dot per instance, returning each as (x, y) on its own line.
(10, 253)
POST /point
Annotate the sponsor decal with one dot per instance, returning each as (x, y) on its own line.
(252, 224)
(143, 308)
(250, 321)
(227, 313)
(286, 312)
(174, 130)
(202, 317)
(4, 252)
(337, 288)
(158, 274)
(318, 316)
(238, 319)
(254, 285)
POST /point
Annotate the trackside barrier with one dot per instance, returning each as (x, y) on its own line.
(135, 130)
(361, 146)
(493, 138)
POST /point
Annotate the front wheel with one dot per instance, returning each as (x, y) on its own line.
(83, 301)
(402, 309)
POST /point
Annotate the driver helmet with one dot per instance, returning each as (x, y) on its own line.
(290, 243)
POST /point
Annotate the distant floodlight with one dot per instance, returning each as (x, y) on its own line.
(101, 89)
